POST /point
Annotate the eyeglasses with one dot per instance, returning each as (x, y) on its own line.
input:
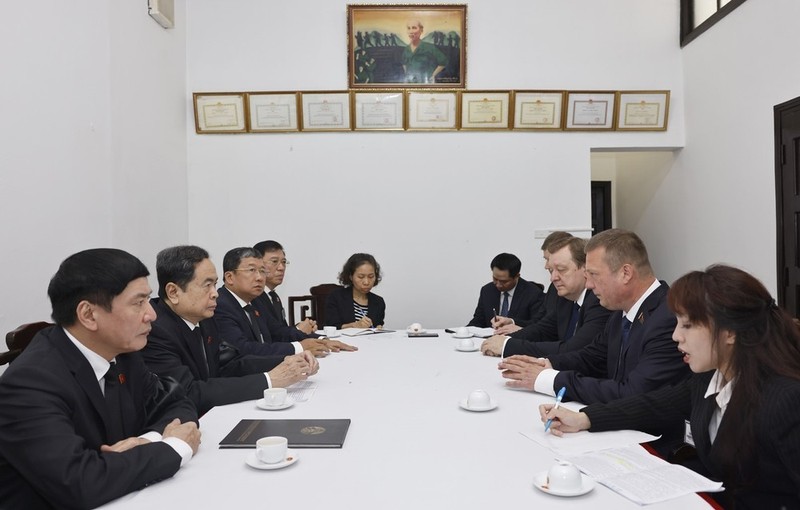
(277, 262)
(251, 271)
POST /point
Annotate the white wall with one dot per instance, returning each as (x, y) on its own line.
(718, 202)
(92, 143)
(433, 207)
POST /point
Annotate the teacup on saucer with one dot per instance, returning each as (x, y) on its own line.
(253, 461)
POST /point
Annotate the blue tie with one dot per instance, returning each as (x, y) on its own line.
(504, 306)
(626, 331)
(573, 321)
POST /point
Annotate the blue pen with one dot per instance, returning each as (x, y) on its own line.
(558, 403)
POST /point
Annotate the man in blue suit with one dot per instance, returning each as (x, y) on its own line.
(634, 354)
(508, 296)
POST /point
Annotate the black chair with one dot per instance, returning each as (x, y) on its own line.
(315, 309)
(306, 310)
(19, 339)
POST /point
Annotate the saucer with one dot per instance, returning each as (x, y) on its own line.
(473, 349)
(468, 335)
(253, 462)
(289, 402)
(492, 405)
(540, 482)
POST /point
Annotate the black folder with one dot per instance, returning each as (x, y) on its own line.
(300, 433)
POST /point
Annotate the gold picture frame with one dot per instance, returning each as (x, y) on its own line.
(590, 110)
(538, 110)
(273, 112)
(432, 110)
(325, 111)
(410, 45)
(642, 110)
(485, 110)
(378, 110)
(219, 112)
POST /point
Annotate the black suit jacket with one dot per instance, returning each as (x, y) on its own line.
(174, 350)
(527, 307)
(279, 329)
(53, 422)
(339, 308)
(546, 337)
(598, 373)
(771, 482)
(234, 326)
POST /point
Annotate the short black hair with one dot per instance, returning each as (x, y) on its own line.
(353, 263)
(268, 246)
(97, 275)
(177, 265)
(234, 257)
(507, 262)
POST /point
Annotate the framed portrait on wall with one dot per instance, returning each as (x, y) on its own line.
(590, 111)
(219, 112)
(407, 45)
(643, 110)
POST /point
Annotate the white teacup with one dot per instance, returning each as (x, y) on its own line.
(330, 331)
(466, 343)
(275, 396)
(271, 449)
(462, 332)
(415, 328)
(564, 477)
(478, 399)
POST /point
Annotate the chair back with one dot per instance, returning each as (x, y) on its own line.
(18, 339)
(306, 310)
(320, 293)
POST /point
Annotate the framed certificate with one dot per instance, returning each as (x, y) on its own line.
(432, 110)
(590, 111)
(409, 45)
(219, 112)
(642, 110)
(325, 111)
(485, 109)
(538, 110)
(378, 110)
(273, 111)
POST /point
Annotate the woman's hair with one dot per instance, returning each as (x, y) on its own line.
(766, 344)
(353, 263)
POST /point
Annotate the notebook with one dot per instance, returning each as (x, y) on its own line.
(300, 433)
(364, 331)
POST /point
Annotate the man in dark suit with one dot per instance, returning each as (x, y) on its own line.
(83, 421)
(574, 322)
(269, 303)
(245, 325)
(184, 343)
(635, 353)
(508, 296)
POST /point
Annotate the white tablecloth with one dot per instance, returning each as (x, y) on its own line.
(410, 445)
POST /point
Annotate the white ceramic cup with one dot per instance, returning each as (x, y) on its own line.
(415, 328)
(275, 396)
(466, 343)
(462, 331)
(330, 331)
(271, 449)
(564, 477)
(478, 399)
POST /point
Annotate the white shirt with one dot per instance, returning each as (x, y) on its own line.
(100, 366)
(724, 392)
(547, 378)
(298, 347)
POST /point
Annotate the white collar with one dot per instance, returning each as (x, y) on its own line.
(98, 363)
(631, 314)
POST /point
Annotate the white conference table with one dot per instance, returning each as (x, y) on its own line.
(409, 445)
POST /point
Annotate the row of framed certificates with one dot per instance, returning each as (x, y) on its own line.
(430, 110)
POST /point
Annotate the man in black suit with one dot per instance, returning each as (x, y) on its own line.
(244, 323)
(184, 343)
(508, 296)
(82, 420)
(269, 303)
(635, 353)
(574, 322)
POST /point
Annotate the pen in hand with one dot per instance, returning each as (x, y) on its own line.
(494, 311)
(558, 403)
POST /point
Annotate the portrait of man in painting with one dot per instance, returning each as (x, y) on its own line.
(408, 45)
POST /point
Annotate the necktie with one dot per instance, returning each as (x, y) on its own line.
(504, 306)
(276, 302)
(623, 346)
(573, 321)
(253, 323)
(199, 345)
(114, 428)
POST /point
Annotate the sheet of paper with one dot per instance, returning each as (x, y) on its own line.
(641, 477)
(302, 391)
(586, 442)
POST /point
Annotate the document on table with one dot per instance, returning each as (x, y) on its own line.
(642, 477)
(586, 442)
(302, 391)
(364, 331)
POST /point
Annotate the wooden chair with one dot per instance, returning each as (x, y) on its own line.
(19, 339)
(306, 310)
(315, 309)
